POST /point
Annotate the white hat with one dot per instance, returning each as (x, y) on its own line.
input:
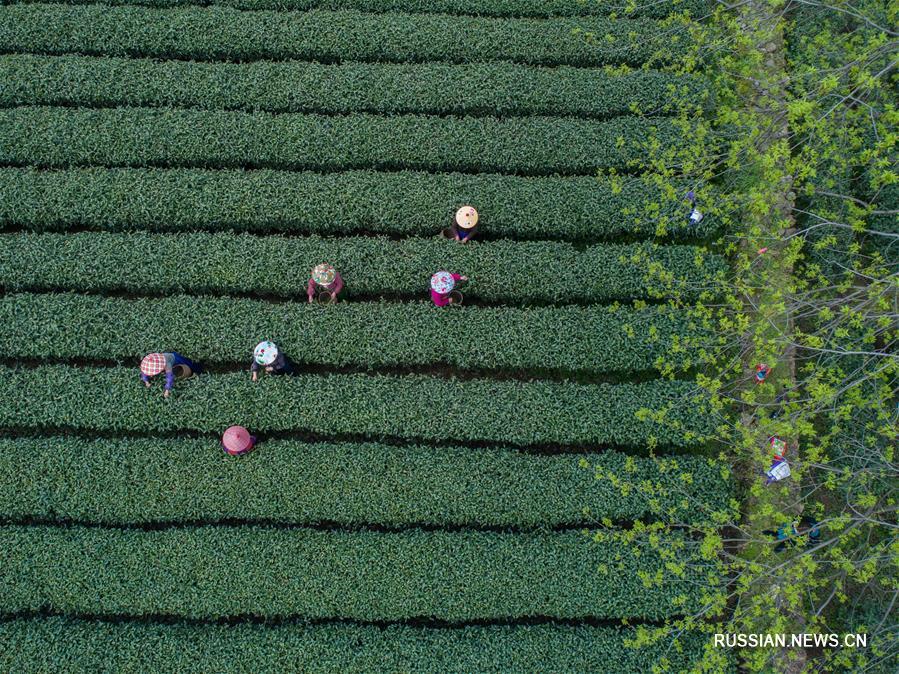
(265, 353)
(442, 282)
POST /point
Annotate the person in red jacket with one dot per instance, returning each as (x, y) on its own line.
(442, 284)
(237, 441)
(324, 277)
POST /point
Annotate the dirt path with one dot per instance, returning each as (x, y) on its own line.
(772, 324)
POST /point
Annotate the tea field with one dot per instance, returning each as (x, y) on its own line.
(426, 494)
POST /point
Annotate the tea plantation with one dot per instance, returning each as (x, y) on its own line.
(425, 493)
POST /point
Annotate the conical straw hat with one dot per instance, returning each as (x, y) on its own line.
(236, 439)
(466, 217)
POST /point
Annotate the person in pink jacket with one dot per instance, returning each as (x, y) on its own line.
(442, 284)
(324, 277)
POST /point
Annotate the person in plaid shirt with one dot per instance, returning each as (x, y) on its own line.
(157, 363)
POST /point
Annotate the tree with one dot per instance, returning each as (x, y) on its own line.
(799, 167)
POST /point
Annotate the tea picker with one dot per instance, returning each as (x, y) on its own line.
(236, 440)
(269, 358)
(780, 468)
(442, 284)
(779, 401)
(465, 224)
(326, 280)
(788, 534)
(695, 215)
(172, 363)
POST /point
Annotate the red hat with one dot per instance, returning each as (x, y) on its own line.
(152, 364)
(236, 440)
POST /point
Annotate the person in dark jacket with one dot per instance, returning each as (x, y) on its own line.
(267, 357)
(789, 534)
(464, 224)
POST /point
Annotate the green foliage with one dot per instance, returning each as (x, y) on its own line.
(402, 203)
(61, 137)
(184, 480)
(501, 8)
(41, 644)
(811, 155)
(494, 89)
(416, 407)
(217, 33)
(224, 330)
(214, 572)
(517, 272)
(847, 155)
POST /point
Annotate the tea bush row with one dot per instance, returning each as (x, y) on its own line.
(497, 89)
(222, 33)
(399, 203)
(170, 138)
(500, 8)
(41, 644)
(499, 271)
(156, 480)
(379, 406)
(224, 330)
(215, 572)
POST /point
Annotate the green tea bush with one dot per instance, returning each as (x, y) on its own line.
(63, 137)
(497, 89)
(213, 572)
(185, 479)
(414, 407)
(502, 8)
(515, 272)
(401, 203)
(42, 644)
(224, 330)
(221, 33)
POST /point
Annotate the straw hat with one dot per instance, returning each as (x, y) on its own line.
(466, 217)
(442, 282)
(236, 440)
(265, 353)
(324, 274)
(152, 364)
